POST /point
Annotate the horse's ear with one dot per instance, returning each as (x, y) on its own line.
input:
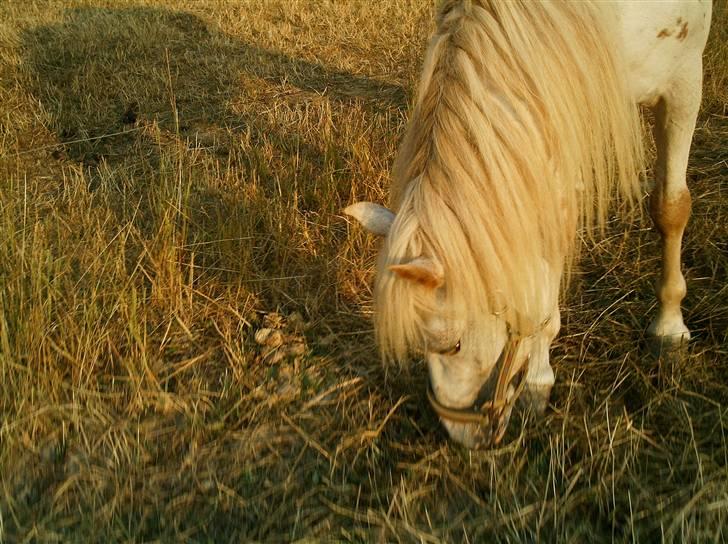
(373, 217)
(422, 270)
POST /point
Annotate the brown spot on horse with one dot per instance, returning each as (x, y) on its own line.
(683, 32)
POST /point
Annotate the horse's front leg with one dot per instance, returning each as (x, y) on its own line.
(670, 201)
(540, 377)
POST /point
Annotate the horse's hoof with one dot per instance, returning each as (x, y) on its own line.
(673, 347)
(536, 397)
(670, 353)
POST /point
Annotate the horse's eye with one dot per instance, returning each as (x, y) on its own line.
(453, 350)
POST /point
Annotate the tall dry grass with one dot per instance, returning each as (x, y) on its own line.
(185, 346)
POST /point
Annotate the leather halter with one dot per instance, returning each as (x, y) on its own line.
(490, 412)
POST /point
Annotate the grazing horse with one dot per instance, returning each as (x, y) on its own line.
(526, 126)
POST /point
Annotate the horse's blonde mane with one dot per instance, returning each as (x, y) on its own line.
(522, 132)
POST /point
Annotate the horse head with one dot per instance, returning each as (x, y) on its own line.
(478, 362)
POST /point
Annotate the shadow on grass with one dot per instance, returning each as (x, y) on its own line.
(101, 69)
(125, 89)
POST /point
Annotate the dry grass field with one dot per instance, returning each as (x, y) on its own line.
(186, 351)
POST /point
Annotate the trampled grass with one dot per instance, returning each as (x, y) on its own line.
(186, 351)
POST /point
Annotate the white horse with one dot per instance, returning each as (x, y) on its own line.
(526, 126)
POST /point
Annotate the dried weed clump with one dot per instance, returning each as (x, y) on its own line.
(186, 351)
